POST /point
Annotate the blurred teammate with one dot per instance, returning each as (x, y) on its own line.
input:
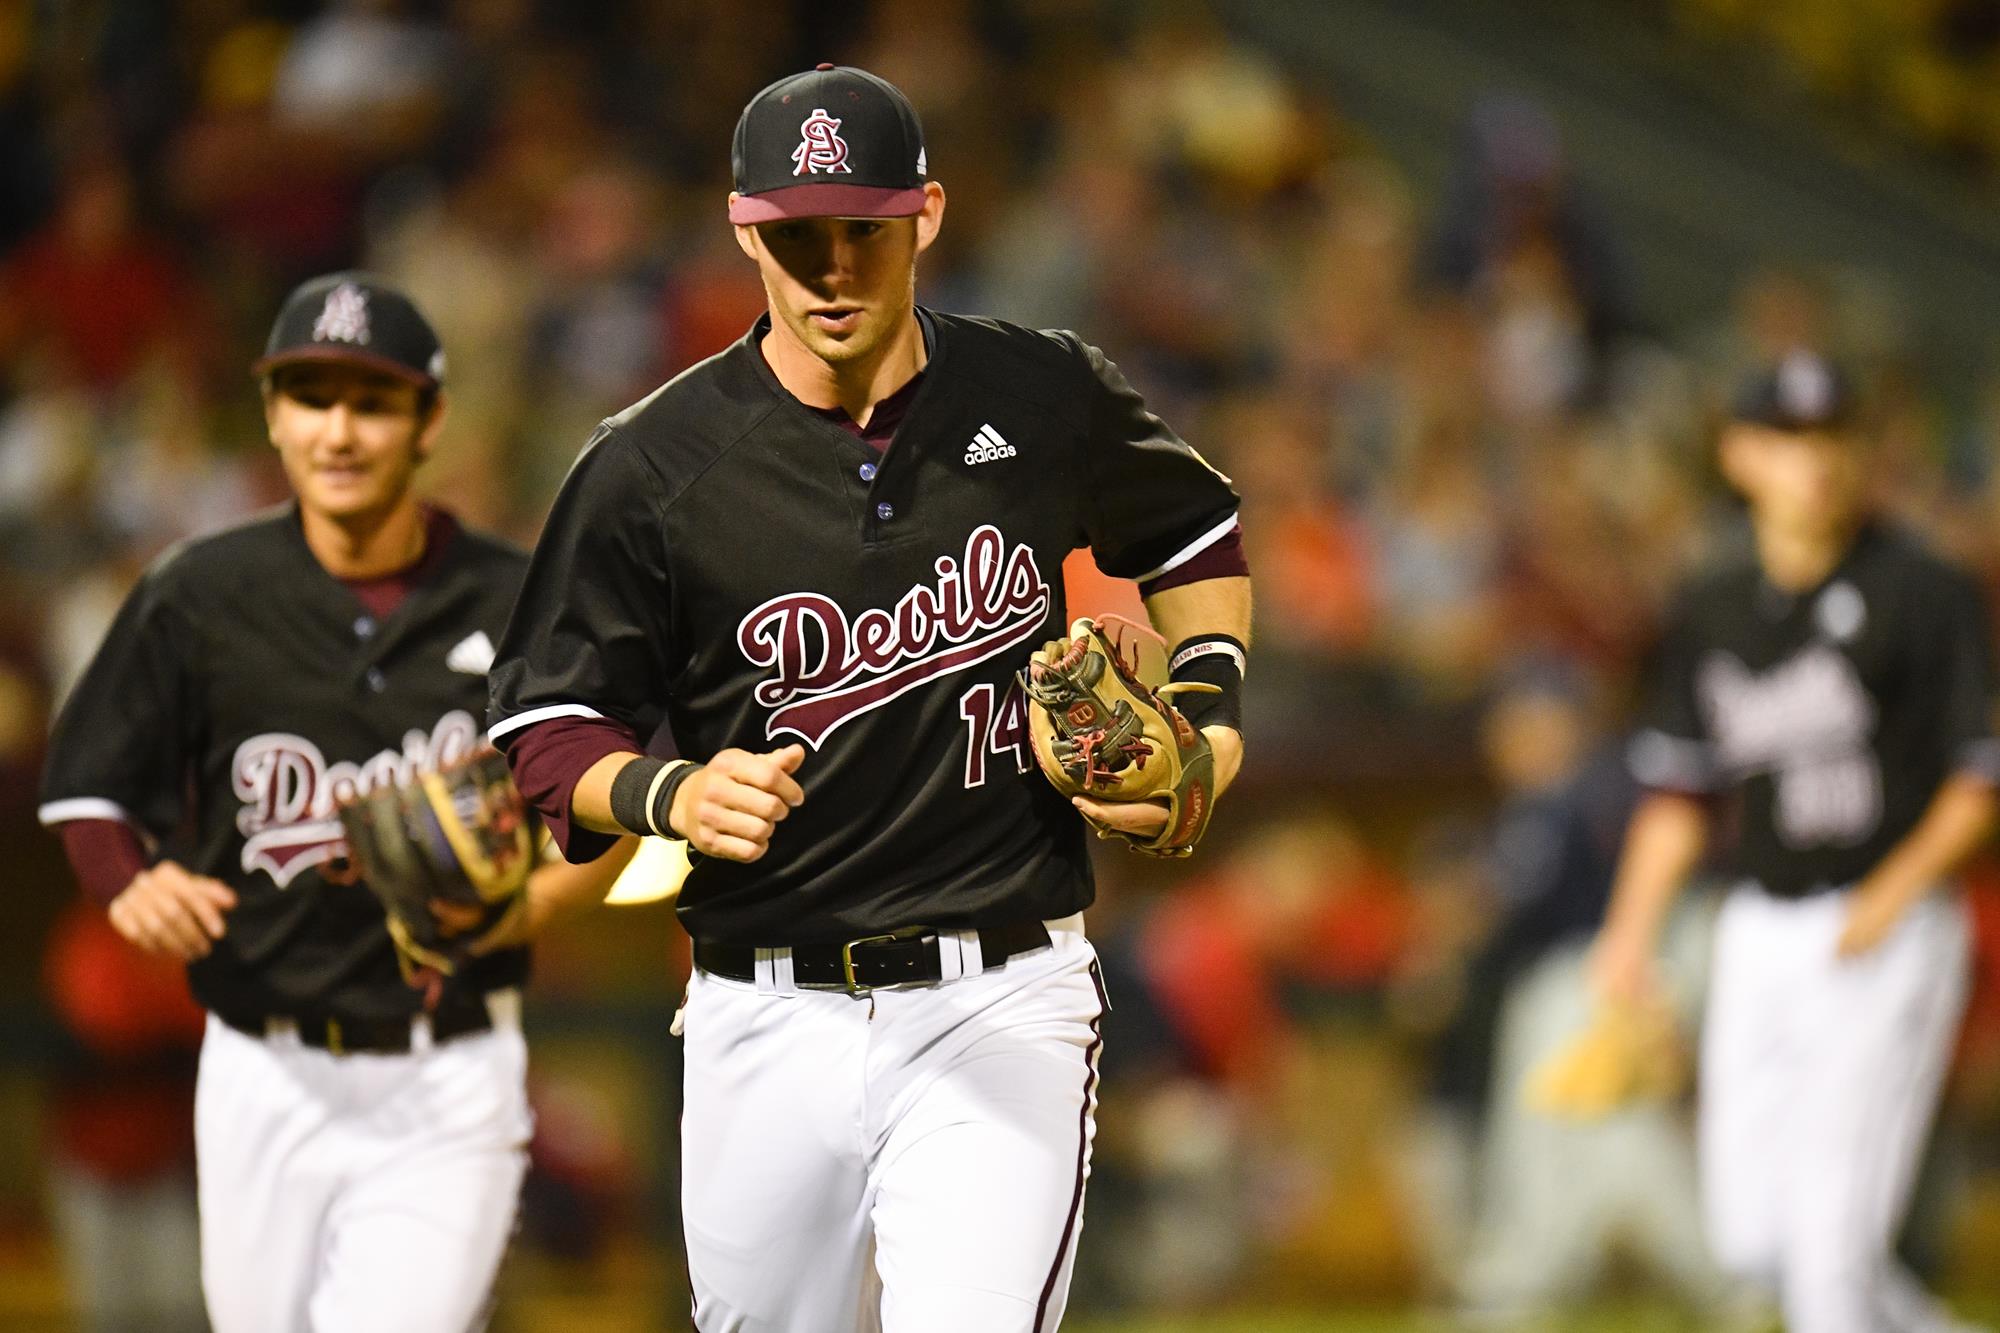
(822, 556)
(1836, 692)
(358, 1153)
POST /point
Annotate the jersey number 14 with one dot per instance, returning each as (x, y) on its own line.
(994, 731)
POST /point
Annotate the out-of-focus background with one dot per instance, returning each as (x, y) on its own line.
(1452, 288)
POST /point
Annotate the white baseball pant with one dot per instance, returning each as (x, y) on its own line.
(910, 1161)
(1819, 1077)
(358, 1193)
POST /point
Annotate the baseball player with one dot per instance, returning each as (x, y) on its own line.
(822, 556)
(1836, 692)
(358, 1156)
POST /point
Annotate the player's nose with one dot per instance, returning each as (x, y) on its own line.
(338, 423)
(840, 260)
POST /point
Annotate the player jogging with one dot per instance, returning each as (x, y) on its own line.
(358, 1157)
(1836, 691)
(822, 556)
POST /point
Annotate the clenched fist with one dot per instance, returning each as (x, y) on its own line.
(731, 805)
(167, 910)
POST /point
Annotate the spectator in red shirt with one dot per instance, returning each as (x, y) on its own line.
(95, 293)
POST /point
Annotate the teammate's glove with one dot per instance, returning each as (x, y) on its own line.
(1102, 732)
(455, 845)
(1630, 1053)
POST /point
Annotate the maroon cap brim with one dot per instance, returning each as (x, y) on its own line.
(339, 355)
(826, 201)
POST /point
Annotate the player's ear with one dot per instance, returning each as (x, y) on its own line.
(270, 392)
(745, 241)
(433, 422)
(931, 217)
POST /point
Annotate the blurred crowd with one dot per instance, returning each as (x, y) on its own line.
(1470, 471)
(1924, 68)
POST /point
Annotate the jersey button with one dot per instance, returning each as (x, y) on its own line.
(885, 511)
(377, 682)
(867, 472)
(363, 626)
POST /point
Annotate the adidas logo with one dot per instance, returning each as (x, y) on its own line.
(473, 655)
(987, 445)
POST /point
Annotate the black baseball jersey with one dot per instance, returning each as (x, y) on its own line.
(242, 692)
(725, 558)
(1830, 717)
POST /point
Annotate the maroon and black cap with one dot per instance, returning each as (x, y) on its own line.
(355, 319)
(832, 142)
(1803, 391)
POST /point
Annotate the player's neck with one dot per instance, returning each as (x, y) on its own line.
(369, 545)
(1797, 560)
(855, 387)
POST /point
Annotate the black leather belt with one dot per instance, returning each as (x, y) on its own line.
(906, 958)
(370, 1036)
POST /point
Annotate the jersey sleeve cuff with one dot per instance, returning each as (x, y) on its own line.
(549, 760)
(53, 814)
(1221, 559)
(1192, 549)
(509, 727)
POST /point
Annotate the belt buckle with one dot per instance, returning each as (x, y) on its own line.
(334, 1044)
(847, 962)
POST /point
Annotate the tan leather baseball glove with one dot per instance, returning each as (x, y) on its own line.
(460, 839)
(1629, 1054)
(1100, 731)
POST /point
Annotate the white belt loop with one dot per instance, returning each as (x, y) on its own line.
(951, 954)
(503, 1006)
(1071, 924)
(774, 972)
(972, 960)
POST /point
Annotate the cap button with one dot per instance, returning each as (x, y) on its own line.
(824, 65)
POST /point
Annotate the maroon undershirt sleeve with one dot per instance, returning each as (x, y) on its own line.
(1224, 559)
(550, 758)
(104, 854)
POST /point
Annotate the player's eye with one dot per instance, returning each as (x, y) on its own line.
(790, 233)
(862, 230)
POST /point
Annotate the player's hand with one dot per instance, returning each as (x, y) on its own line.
(166, 910)
(1872, 916)
(731, 805)
(521, 922)
(554, 890)
(1622, 969)
(1146, 819)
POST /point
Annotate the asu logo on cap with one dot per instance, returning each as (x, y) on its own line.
(833, 142)
(820, 146)
(344, 317)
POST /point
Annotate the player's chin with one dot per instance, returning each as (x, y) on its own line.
(346, 499)
(842, 345)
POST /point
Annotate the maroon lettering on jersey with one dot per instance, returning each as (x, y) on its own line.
(291, 796)
(828, 669)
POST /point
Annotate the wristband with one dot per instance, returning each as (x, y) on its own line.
(642, 795)
(631, 794)
(1213, 659)
(663, 790)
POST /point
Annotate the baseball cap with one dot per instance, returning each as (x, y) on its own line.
(356, 319)
(1803, 391)
(832, 142)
